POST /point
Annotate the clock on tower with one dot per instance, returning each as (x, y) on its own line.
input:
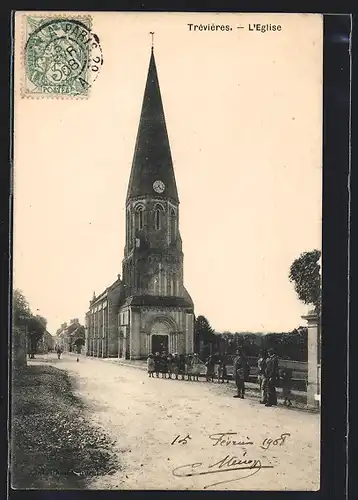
(158, 186)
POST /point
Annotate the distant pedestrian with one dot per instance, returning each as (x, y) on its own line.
(157, 363)
(210, 369)
(240, 373)
(78, 349)
(261, 367)
(286, 379)
(151, 365)
(59, 352)
(272, 378)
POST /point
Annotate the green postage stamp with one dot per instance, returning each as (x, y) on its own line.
(62, 57)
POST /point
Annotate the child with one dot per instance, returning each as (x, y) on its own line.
(157, 364)
(170, 365)
(286, 378)
(175, 363)
(189, 366)
(222, 372)
(182, 366)
(164, 365)
(151, 365)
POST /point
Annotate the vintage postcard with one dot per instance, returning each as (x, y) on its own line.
(167, 251)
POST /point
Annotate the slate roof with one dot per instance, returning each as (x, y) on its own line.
(152, 159)
(158, 301)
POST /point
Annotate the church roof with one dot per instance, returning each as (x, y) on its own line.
(158, 301)
(152, 159)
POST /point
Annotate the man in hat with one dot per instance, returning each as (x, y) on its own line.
(272, 378)
(240, 371)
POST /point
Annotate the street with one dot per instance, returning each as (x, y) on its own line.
(174, 434)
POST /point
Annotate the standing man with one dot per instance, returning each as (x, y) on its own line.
(261, 369)
(241, 368)
(272, 378)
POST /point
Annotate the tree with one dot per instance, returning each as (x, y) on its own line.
(305, 274)
(21, 311)
(204, 335)
(23, 319)
(35, 330)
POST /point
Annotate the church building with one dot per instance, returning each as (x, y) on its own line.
(148, 309)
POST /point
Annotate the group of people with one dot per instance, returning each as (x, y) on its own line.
(269, 377)
(186, 367)
(174, 365)
(189, 367)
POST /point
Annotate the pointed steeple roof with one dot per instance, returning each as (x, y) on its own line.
(152, 159)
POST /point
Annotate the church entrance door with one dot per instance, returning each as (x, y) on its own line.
(160, 343)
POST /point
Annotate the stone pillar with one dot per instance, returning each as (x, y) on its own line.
(148, 343)
(189, 333)
(135, 335)
(314, 359)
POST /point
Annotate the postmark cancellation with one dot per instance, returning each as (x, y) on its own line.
(62, 57)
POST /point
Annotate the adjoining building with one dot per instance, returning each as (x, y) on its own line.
(46, 343)
(148, 309)
(68, 335)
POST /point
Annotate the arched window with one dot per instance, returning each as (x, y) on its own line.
(158, 216)
(128, 224)
(139, 217)
(173, 225)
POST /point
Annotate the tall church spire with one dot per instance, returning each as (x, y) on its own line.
(152, 159)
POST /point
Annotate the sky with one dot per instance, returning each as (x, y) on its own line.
(244, 118)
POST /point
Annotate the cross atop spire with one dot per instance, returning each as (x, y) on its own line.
(152, 33)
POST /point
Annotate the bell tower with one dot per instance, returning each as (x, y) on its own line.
(152, 267)
(153, 259)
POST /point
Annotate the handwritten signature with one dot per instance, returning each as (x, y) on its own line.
(227, 464)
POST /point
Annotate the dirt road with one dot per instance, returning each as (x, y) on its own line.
(270, 448)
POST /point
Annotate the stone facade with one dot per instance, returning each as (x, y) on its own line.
(102, 324)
